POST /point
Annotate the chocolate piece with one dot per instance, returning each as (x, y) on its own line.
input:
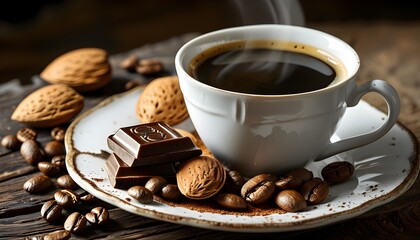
(123, 176)
(151, 143)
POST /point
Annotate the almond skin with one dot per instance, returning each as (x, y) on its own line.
(162, 100)
(49, 106)
(84, 69)
(200, 177)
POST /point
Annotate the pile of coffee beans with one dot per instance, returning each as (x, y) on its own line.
(292, 192)
(142, 66)
(147, 67)
(50, 160)
(155, 185)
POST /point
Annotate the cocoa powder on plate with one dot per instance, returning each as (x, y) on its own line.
(210, 206)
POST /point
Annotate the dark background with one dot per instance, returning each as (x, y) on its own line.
(32, 33)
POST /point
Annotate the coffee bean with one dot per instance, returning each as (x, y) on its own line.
(87, 198)
(31, 152)
(24, 134)
(54, 148)
(294, 179)
(171, 192)
(98, 216)
(141, 194)
(58, 235)
(34, 238)
(337, 172)
(155, 184)
(290, 201)
(75, 223)
(132, 84)
(67, 198)
(58, 134)
(51, 211)
(129, 63)
(10, 142)
(288, 182)
(231, 201)
(149, 66)
(315, 190)
(67, 182)
(237, 178)
(37, 184)
(48, 168)
(59, 161)
(259, 189)
(234, 181)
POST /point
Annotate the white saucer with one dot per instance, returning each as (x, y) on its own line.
(385, 170)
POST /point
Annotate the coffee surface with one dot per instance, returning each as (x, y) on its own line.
(265, 71)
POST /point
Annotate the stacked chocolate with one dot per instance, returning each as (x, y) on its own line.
(146, 150)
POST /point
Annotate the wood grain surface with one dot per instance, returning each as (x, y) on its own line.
(388, 50)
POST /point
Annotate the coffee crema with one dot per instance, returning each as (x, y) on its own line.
(266, 67)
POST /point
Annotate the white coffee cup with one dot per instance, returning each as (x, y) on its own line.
(276, 133)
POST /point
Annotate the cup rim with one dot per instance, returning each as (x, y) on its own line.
(201, 38)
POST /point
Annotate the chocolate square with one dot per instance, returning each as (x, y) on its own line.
(123, 176)
(151, 143)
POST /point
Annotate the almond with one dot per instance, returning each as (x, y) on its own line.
(188, 134)
(49, 106)
(197, 141)
(200, 177)
(162, 100)
(84, 69)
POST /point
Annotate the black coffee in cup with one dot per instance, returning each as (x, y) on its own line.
(266, 68)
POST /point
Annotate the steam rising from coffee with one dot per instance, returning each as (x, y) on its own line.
(287, 12)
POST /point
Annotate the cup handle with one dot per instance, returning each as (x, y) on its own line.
(391, 98)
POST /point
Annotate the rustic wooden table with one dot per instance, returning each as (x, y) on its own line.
(388, 50)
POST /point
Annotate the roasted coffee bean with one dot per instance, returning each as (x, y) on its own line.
(67, 198)
(237, 178)
(294, 179)
(288, 182)
(171, 192)
(87, 198)
(290, 201)
(141, 194)
(155, 184)
(10, 142)
(54, 148)
(67, 182)
(259, 189)
(48, 168)
(149, 66)
(31, 152)
(58, 134)
(315, 190)
(75, 223)
(337, 172)
(59, 161)
(37, 184)
(98, 216)
(231, 201)
(34, 238)
(24, 134)
(129, 63)
(234, 181)
(51, 211)
(58, 235)
(132, 84)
